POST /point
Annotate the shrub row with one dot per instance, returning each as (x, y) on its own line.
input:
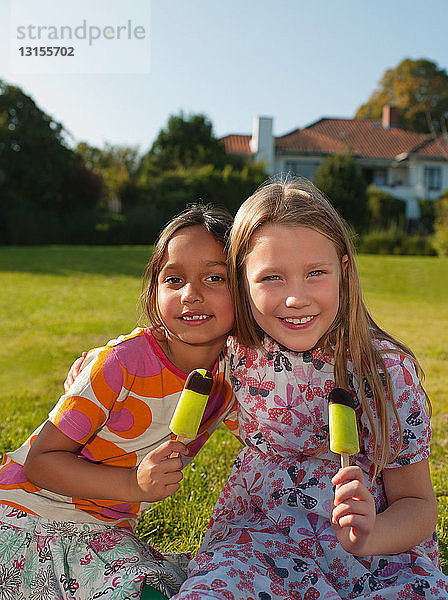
(395, 240)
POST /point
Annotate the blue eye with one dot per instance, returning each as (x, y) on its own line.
(316, 272)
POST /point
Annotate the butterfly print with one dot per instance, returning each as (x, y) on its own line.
(277, 503)
(367, 389)
(301, 566)
(234, 364)
(309, 358)
(284, 524)
(260, 388)
(414, 419)
(420, 586)
(296, 494)
(276, 573)
(260, 440)
(281, 361)
(408, 435)
(287, 410)
(373, 578)
(236, 383)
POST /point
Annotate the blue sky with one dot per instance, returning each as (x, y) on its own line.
(294, 60)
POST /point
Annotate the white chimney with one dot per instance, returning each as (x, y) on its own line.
(262, 142)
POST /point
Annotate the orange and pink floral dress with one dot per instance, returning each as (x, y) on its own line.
(118, 410)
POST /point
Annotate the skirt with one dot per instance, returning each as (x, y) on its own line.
(42, 559)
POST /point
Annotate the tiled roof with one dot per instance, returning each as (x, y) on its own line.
(363, 137)
(303, 141)
(435, 148)
(368, 138)
(237, 144)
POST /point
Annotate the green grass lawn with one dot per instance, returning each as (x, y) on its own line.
(57, 301)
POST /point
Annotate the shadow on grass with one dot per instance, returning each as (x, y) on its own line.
(67, 260)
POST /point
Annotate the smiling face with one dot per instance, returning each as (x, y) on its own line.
(193, 298)
(292, 280)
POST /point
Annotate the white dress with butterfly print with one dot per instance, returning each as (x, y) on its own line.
(270, 536)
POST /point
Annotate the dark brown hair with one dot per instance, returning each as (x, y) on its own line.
(217, 221)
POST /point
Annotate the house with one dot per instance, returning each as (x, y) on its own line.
(409, 165)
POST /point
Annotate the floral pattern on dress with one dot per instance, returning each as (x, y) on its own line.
(50, 560)
(270, 537)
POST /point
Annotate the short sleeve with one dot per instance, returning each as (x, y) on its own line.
(410, 402)
(81, 412)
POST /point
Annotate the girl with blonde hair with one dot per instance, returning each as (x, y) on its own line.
(289, 522)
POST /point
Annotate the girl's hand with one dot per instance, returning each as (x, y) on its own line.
(74, 371)
(353, 511)
(159, 474)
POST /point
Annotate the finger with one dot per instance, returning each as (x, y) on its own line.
(172, 489)
(352, 489)
(172, 478)
(166, 449)
(172, 464)
(74, 372)
(77, 366)
(358, 524)
(165, 492)
(348, 474)
(349, 508)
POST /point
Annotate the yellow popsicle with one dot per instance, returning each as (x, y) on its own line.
(191, 405)
(344, 439)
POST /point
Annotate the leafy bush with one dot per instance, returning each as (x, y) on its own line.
(427, 215)
(440, 238)
(340, 178)
(394, 240)
(384, 209)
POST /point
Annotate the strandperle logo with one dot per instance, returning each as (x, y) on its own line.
(83, 37)
(82, 31)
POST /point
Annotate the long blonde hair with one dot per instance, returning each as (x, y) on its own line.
(352, 335)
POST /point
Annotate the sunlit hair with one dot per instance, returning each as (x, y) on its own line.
(217, 221)
(298, 203)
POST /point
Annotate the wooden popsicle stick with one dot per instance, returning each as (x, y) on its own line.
(179, 438)
(345, 460)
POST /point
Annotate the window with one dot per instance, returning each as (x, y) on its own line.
(301, 167)
(433, 178)
(376, 176)
(379, 177)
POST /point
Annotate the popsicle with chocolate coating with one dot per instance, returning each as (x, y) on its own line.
(344, 439)
(191, 405)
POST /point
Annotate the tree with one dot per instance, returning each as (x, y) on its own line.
(419, 88)
(39, 173)
(341, 180)
(186, 142)
(117, 166)
(188, 163)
